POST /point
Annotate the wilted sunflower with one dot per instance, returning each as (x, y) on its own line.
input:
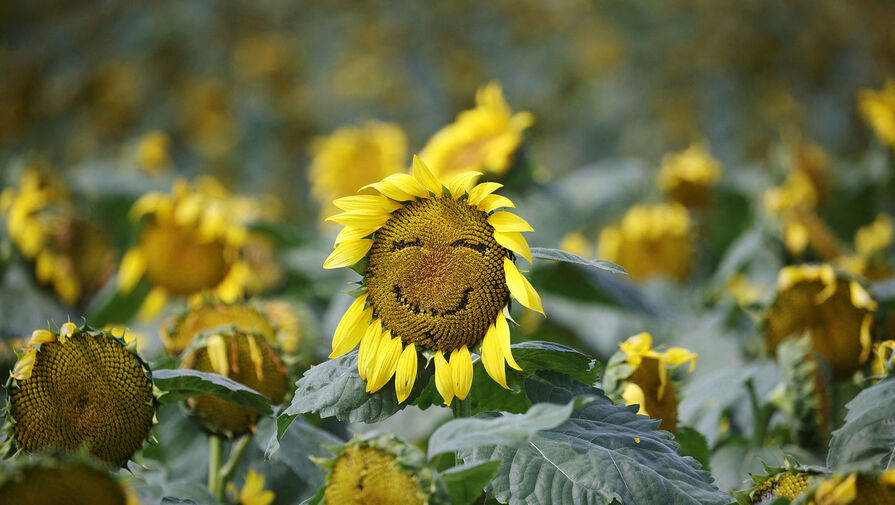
(836, 311)
(381, 470)
(248, 359)
(687, 175)
(70, 253)
(178, 332)
(353, 157)
(438, 276)
(190, 244)
(878, 110)
(648, 384)
(651, 240)
(855, 489)
(81, 388)
(48, 480)
(485, 138)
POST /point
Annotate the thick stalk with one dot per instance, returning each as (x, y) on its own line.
(226, 472)
(215, 450)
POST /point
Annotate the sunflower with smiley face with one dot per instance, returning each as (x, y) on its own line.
(438, 271)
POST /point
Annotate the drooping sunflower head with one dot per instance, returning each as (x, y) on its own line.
(248, 359)
(381, 470)
(49, 480)
(877, 108)
(77, 388)
(836, 311)
(178, 332)
(190, 244)
(789, 483)
(855, 489)
(438, 275)
(484, 138)
(353, 157)
(644, 378)
(686, 176)
(651, 240)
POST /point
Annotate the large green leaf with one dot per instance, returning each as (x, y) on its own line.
(867, 439)
(603, 452)
(544, 253)
(177, 385)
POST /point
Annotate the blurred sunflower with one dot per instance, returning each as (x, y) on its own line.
(877, 108)
(855, 489)
(438, 274)
(576, 243)
(81, 387)
(353, 157)
(47, 480)
(252, 492)
(248, 359)
(70, 253)
(153, 152)
(836, 311)
(484, 139)
(190, 244)
(648, 383)
(178, 332)
(381, 469)
(871, 243)
(650, 240)
(686, 176)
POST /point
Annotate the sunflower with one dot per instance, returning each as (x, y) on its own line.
(855, 489)
(244, 357)
(383, 470)
(81, 387)
(877, 108)
(178, 332)
(438, 273)
(687, 175)
(47, 480)
(485, 138)
(651, 240)
(190, 245)
(836, 311)
(353, 157)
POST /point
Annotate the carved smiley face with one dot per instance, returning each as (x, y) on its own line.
(435, 275)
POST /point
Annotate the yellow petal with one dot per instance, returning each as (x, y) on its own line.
(461, 371)
(405, 375)
(361, 218)
(368, 346)
(66, 331)
(520, 288)
(216, 348)
(422, 174)
(153, 304)
(865, 338)
(351, 327)
(133, 264)
(386, 361)
(400, 187)
(44, 266)
(493, 202)
(515, 242)
(39, 337)
(678, 356)
(460, 183)
(348, 253)
(22, 369)
(508, 222)
(502, 331)
(256, 357)
(492, 357)
(444, 379)
(633, 395)
(375, 202)
(482, 190)
(350, 233)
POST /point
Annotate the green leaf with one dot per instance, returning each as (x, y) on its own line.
(867, 439)
(317, 499)
(602, 453)
(465, 483)
(513, 430)
(170, 500)
(693, 444)
(178, 385)
(295, 447)
(544, 253)
(534, 356)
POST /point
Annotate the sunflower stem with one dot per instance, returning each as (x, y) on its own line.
(215, 450)
(761, 415)
(461, 408)
(229, 468)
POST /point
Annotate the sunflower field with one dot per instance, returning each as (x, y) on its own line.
(516, 252)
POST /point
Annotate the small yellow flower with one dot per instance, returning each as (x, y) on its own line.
(878, 110)
(153, 152)
(483, 139)
(687, 175)
(354, 157)
(651, 240)
(439, 276)
(252, 492)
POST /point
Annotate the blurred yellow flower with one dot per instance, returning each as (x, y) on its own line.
(687, 175)
(207, 117)
(650, 240)
(877, 108)
(153, 152)
(742, 290)
(647, 385)
(576, 243)
(836, 311)
(252, 492)
(855, 489)
(354, 157)
(483, 139)
(871, 242)
(287, 322)
(190, 244)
